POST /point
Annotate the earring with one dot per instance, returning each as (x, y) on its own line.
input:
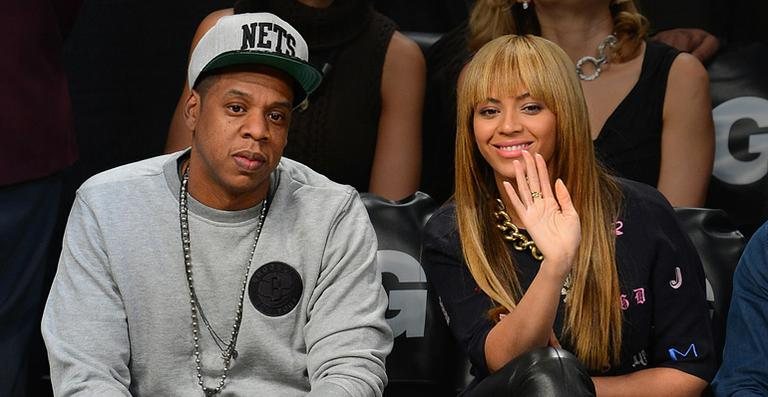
(525, 4)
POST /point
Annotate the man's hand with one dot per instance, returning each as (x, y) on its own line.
(699, 43)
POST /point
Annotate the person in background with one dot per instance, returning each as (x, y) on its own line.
(38, 145)
(364, 125)
(743, 372)
(225, 268)
(541, 247)
(649, 105)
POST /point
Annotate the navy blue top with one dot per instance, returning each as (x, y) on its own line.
(744, 372)
(666, 318)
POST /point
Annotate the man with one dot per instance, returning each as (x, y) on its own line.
(224, 269)
(744, 372)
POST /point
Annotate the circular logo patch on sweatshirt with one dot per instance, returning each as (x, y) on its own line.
(275, 289)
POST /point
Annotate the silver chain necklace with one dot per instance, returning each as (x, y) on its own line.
(228, 352)
(597, 63)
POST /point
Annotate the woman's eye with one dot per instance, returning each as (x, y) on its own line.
(532, 108)
(487, 112)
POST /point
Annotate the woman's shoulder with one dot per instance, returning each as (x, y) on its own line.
(442, 223)
(404, 52)
(450, 50)
(680, 65)
(657, 48)
(642, 197)
(211, 19)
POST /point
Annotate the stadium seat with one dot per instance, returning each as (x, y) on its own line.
(425, 360)
(719, 244)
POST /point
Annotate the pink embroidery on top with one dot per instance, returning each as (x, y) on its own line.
(619, 226)
(639, 295)
(678, 281)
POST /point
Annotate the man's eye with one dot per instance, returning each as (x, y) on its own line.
(276, 116)
(236, 108)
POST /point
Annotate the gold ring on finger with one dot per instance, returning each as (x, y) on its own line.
(535, 195)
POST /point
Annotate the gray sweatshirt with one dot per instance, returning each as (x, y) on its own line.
(118, 317)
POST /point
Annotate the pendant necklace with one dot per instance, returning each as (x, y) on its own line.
(228, 352)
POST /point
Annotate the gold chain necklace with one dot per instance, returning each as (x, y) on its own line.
(521, 242)
(512, 233)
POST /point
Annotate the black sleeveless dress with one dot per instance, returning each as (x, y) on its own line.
(336, 135)
(629, 144)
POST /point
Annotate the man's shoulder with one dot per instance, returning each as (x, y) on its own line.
(127, 174)
(299, 176)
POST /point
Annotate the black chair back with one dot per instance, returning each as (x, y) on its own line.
(425, 360)
(719, 244)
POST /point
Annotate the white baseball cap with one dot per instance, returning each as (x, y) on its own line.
(255, 39)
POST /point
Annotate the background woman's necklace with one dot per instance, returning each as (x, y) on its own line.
(228, 352)
(597, 63)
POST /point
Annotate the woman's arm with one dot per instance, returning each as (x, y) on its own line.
(397, 160)
(528, 326)
(554, 225)
(656, 382)
(687, 138)
(179, 135)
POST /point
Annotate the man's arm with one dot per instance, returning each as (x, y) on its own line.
(347, 337)
(744, 372)
(84, 324)
(698, 42)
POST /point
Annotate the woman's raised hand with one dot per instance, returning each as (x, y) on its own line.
(550, 219)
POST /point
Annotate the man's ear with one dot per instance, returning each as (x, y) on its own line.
(192, 109)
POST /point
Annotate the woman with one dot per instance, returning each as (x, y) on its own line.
(649, 105)
(363, 125)
(599, 263)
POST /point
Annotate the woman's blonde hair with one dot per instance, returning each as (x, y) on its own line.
(506, 66)
(493, 18)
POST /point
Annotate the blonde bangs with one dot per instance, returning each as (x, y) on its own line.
(515, 64)
(500, 69)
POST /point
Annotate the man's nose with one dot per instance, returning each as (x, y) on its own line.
(255, 127)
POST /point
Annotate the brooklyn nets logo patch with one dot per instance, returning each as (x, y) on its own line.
(275, 289)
